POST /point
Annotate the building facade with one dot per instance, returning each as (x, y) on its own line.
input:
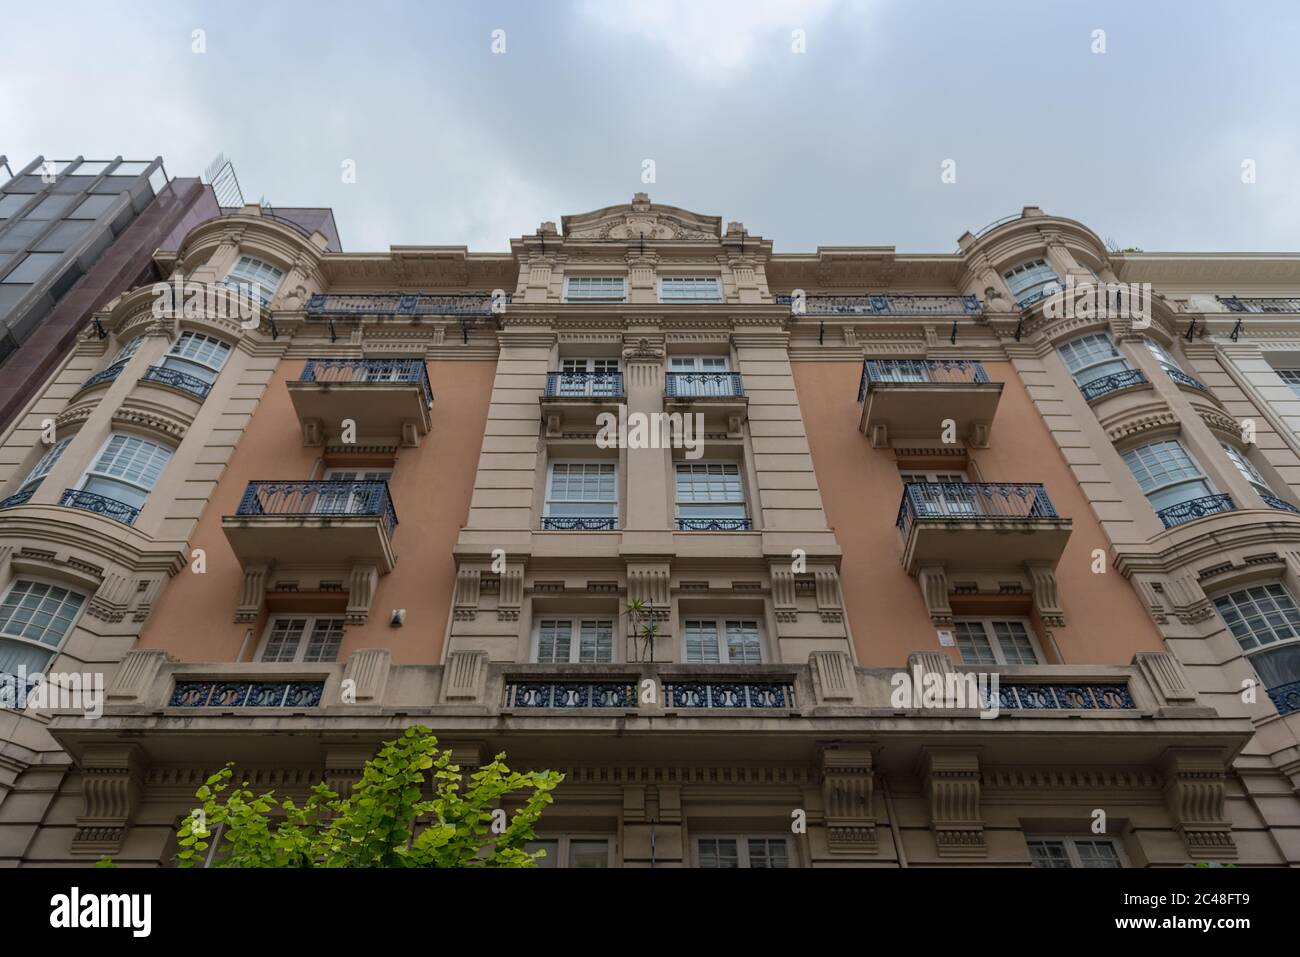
(699, 524)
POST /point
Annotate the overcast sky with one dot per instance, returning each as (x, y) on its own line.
(844, 143)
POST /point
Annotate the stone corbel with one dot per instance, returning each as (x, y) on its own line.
(410, 433)
(952, 791)
(511, 596)
(979, 435)
(111, 600)
(880, 436)
(1042, 578)
(465, 607)
(934, 590)
(252, 591)
(344, 767)
(783, 593)
(361, 592)
(313, 433)
(554, 425)
(1190, 602)
(111, 784)
(830, 603)
(848, 793)
(1194, 793)
(649, 584)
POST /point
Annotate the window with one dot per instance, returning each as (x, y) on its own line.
(1031, 281)
(302, 639)
(937, 502)
(10, 203)
(742, 851)
(573, 640)
(128, 350)
(347, 497)
(1073, 852)
(582, 495)
(595, 289)
(198, 355)
(1091, 357)
(35, 618)
(573, 851)
(1167, 474)
(709, 493)
(1163, 355)
(32, 268)
(1247, 468)
(1266, 623)
(587, 377)
(1292, 378)
(704, 644)
(43, 467)
(690, 289)
(126, 469)
(984, 641)
(255, 278)
(94, 207)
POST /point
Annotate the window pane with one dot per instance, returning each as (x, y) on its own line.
(282, 644)
(768, 852)
(718, 852)
(552, 849)
(1161, 463)
(132, 459)
(690, 289)
(596, 643)
(39, 612)
(1048, 854)
(1260, 615)
(1013, 639)
(46, 463)
(1097, 854)
(702, 642)
(589, 853)
(742, 643)
(554, 636)
(326, 636)
(973, 643)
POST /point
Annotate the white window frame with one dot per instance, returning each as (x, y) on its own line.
(711, 282)
(743, 860)
(1070, 844)
(1247, 468)
(1167, 486)
(699, 510)
(45, 465)
(304, 639)
(699, 363)
(576, 628)
(1163, 355)
(92, 473)
(988, 624)
(550, 503)
(1082, 357)
(127, 351)
(587, 365)
(252, 273)
(1026, 278)
(323, 503)
(7, 632)
(956, 507)
(1260, 641)
(720, 623)
(589, 288)
(564, 846)
(200, 363)
(1292, 378)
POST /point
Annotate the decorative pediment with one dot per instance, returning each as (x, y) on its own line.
(641, 218)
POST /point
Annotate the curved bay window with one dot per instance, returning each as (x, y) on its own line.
(121, 477)
(1031, 280)
(197, 355)
(255, 278)
(1173, 483)
(1097, 366)
(1266, 623)
(37, 475)
(35, 618)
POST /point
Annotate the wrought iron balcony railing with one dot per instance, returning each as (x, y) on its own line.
(320, 499)
(369, 370)
(100, 505)
(919, 370)
(106, 375)
(584, 385)
(560, 524)
(1075, 697)
(570, 694)
(722, 693)
(694, 385)
(1182, 378)
(18, 498)
(1286, 698)
(577, 693)
(1272, 501)
(396, 304)
(950, 502)
(882, 304)
(1195, 508)
(177, 380)
(1260, 304)
(714, 525)
(1114, 382)
(247, 694)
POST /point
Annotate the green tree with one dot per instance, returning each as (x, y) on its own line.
(385, 822)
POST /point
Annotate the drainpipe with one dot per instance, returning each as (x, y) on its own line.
(893, 822)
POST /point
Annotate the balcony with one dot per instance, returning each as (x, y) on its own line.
(386, 398)
(246, 694)
(1113, 384)
(182, 382)
(100, 505)
(574, 400)
(107, 375)
(1286, 698)
(553, 523)
(978, 524)
(309, 522)
(1190, 511)
(1261, 304)
(1272, 501)
(1187, 382)
(18, 498)
(883, 305)
(395, 304)
(911, 398)
(714, 525)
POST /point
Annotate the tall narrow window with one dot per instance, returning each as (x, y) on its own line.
(42, 468)
(1163, 355)
(255, 277)
(1266, 623)
(581, 496)
(1173, 483)
(710, 497)
(1092, 357)
(1032, 280)
(35, 618)
(198, 355)
(124, 473)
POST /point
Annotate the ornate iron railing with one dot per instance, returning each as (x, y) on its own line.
(18, 498)
(882, 304)
(584, 385)
(100, 505)
(1071, 697)
(177, 380)
(1260, 303)
(528, 693)
(919, 370)
(1050, 288)
(1112, 383)
(369, 370)
(106, 375)
(972, 502)
(1272, 501)
(1286, 698)
(558, 524)
(714, 525)
(320, 499)
(396, 304)
(998, 222)
(1195, 508)
(247, 694)
(1182, 378)
(729, 694)
(694, 385)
